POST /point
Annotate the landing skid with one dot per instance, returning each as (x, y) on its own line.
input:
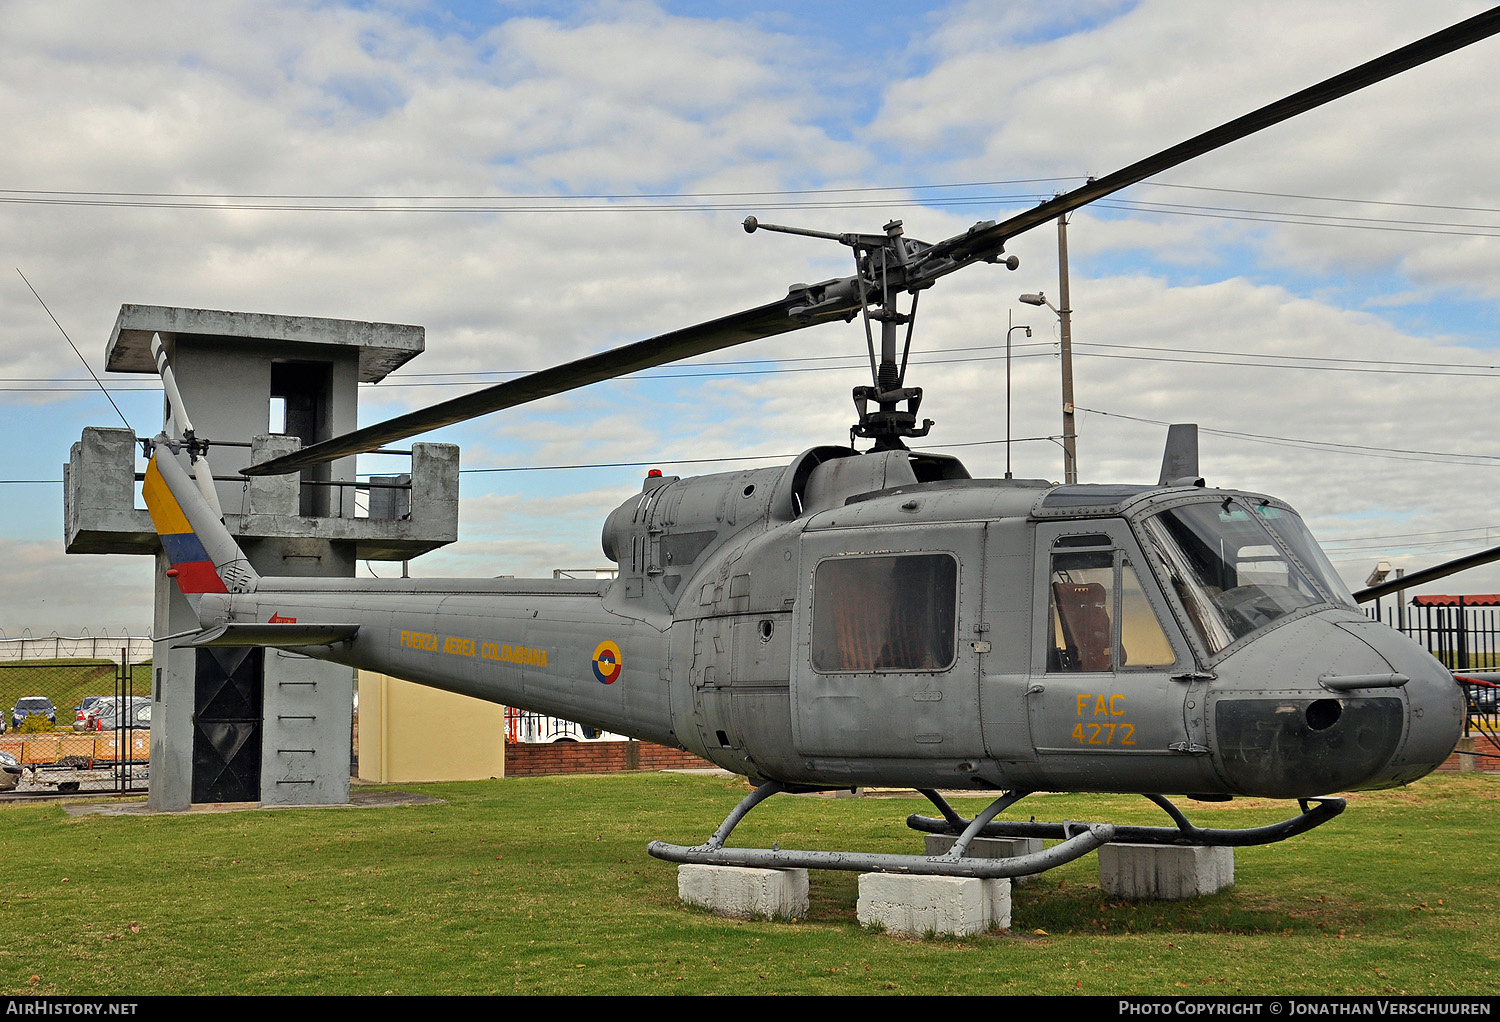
(1078, 840)
(1315, 811)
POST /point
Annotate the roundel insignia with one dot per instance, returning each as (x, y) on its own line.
(607, 663)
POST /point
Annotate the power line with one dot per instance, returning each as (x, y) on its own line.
(609, 196)
(856, 361)
(803, 198)
(714, 460)
(1229, 361)
(1323, 198)
(1298, 358)
(1393, 453)
(684, 196)
(1283, 218)
(1170, 207)
(651, 463)
(1442, 532)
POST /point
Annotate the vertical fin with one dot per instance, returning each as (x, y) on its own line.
(204, 557)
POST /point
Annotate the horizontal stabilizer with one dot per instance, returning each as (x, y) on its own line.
(281, 636)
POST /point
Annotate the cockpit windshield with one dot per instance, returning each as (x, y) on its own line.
(1237, 566)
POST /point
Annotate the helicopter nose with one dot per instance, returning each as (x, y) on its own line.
(1337, 703)
(1436, 707)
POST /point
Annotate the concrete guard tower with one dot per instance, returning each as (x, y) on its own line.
(251, 725)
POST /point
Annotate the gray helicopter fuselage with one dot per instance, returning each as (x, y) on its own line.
(884, 619)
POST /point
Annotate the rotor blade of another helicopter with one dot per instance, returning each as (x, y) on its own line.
(1432, 574)
(1455, 37)
(752, 324)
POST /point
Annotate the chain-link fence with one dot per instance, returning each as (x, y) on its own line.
(74, 725)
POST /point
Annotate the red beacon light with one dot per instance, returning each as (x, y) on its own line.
(654, 473)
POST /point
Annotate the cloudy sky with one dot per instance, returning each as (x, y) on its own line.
(534, 181)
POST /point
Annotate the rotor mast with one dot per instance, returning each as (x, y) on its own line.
(884, 266)
(888, 424)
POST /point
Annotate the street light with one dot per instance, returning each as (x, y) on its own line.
(1070, 435)
(1380, 574)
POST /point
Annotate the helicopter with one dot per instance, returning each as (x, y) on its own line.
(879, 616)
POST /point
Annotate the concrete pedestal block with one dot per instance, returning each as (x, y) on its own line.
(744, 893)
(913, 906)
(1164, 872)
(987, 848)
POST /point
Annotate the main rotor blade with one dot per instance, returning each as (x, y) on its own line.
(752, 324)
(791, 313)
(1455, 37)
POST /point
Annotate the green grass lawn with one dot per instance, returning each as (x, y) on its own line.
(543, 886)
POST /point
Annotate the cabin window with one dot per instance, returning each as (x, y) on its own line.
(885, 613)
(1099, 617)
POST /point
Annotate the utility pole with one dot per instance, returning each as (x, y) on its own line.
(1065, 315)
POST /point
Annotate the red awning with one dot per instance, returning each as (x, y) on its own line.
(1478, 600)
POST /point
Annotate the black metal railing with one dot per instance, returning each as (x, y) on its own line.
(1466, 639)
(382, 497)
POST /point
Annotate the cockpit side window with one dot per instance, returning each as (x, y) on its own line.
(885, 613)
(1100, 619)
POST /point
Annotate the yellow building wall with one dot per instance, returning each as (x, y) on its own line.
(411, 732)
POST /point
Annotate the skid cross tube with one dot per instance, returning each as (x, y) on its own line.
(1315, 811)
(1080, 839)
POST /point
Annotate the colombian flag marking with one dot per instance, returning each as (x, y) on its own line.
(607, 664)
(191, 566)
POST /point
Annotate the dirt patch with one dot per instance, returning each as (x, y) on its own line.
(358, 799)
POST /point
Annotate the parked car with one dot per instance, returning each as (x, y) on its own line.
(1483, 693)
(81, 712)
(10, 771)
(106, 714)
(29, 706)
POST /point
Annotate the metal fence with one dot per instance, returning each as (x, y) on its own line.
(1463, 638)
(1467, 641)
(62, 747)
(525, 726)
(122, 649)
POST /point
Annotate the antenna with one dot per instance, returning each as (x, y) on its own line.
(78, 353)
(1009, 329)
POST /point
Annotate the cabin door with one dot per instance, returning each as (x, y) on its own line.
(886, 667)
(1110, 671)
(739, 679)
